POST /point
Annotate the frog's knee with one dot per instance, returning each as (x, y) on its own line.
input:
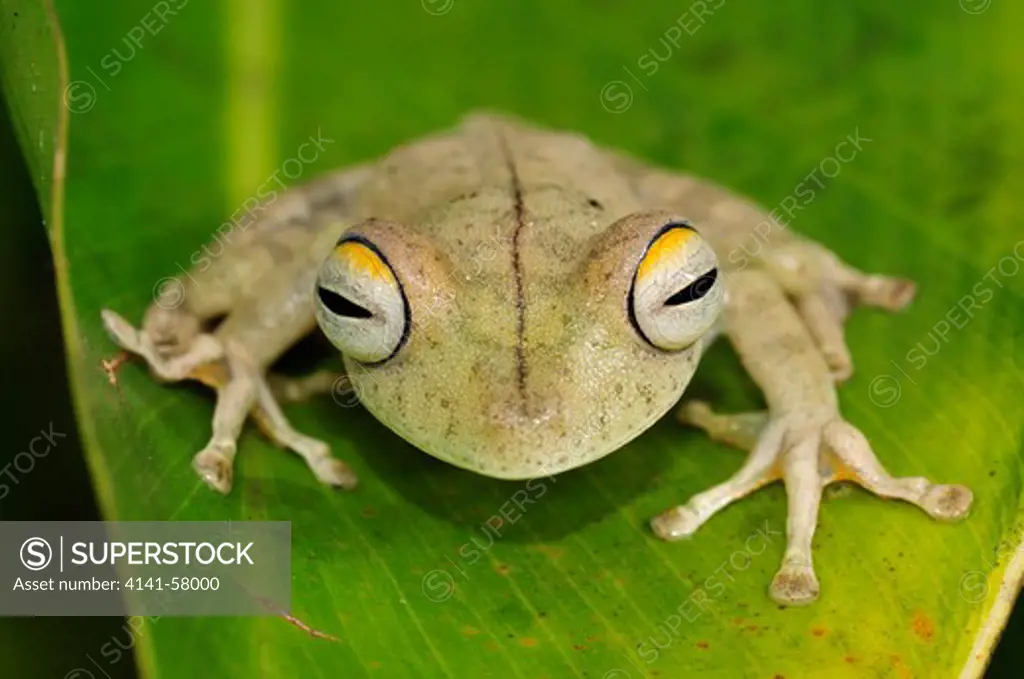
(171, 330)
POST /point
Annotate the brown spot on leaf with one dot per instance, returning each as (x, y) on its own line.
(110, 367)
(849, 659)
(551, 551)
(902, 670)
(470, 631)
(819, 631)
(503, 568)
(579, 647)
(702, 645)
(368, 512)
(923, 627)
(529, 642)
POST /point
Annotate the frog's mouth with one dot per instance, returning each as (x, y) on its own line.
(548, 438)
(541, 462)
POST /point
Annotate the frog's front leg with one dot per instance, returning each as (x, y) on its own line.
(802, 439)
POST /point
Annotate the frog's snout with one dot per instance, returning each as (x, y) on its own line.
(525, 415)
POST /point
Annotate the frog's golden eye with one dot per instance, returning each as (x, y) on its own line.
(360, 304)
(676, 294)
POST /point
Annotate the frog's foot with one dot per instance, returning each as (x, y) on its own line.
(824, 288)
(807, 453)
(165, 367)
(241, 389)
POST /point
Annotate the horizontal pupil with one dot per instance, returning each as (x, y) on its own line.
(695, 290)
(341, 306)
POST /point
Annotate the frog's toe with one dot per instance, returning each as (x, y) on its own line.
(794, 585)
(824, 312)
(839, 362)
(334, 472)
(317, 454)
(121, 331)
(741, 430)
(886, 292)
(287, 389)
(827, 272)
(858, 462)
(947, 502)
(695, 413)
(214, 466)
(676, 523)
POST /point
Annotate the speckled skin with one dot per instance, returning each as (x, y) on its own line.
(469, 387)
(516, 249)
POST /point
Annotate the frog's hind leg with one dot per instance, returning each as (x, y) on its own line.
(273, 233)
(824, 290)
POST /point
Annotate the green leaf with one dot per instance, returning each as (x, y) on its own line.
(164, 138)
(55, 486)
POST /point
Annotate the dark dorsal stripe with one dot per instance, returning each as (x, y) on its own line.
(518, 212)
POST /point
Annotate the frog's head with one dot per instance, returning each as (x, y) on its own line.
(521, 372)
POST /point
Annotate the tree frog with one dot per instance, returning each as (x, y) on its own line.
(520, 302)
